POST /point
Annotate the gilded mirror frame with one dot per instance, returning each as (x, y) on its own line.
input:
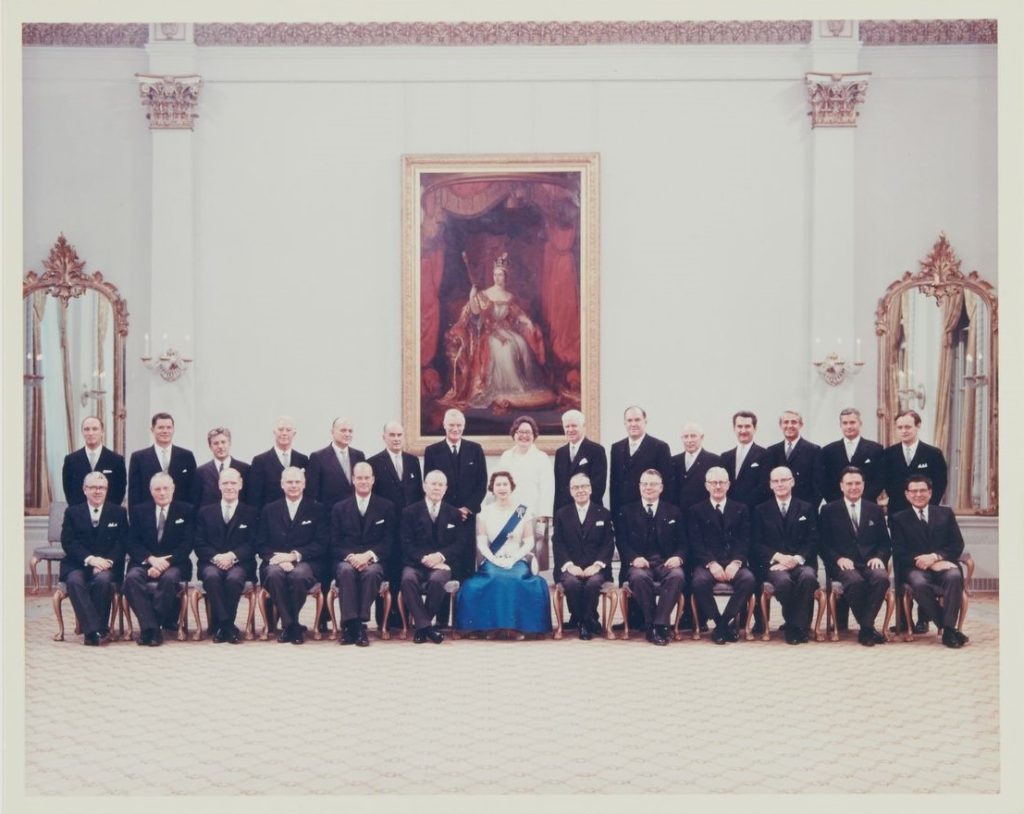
(63, 277)
(939, 277)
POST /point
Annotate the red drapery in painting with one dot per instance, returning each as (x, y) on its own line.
(558, 274)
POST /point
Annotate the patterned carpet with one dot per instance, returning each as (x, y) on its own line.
(498, 717)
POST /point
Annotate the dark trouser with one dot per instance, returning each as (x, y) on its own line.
(90, 596)
(950, 584)
(155, 601)
(864, 590)
(795, 591)
(223, 590)
(657, 582)
(582, 595)
(358, 589)
(703, 588)
(429, 581)
(288, 590)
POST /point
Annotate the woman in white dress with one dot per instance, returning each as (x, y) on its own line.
(532, 469)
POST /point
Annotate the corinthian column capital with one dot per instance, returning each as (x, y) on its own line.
(172, 100)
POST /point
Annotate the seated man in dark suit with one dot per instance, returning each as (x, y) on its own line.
(852, 449)
(94, 457)
(159, 549)
(583, 543)
(163, 456)
(206, 484)
(226, 550)
(785, 546)
(689, 468)
(94, 538)
(927, 543)
(719, 531)
(652, 547)
(799, 456)
(580, 455)
(291, 541)
(912, 456)
(855, 549)
(363, 531)
(747, 463)
(266, 468)
(431, 539)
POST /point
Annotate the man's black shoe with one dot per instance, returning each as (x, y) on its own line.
(963, 639)
(804, 634)
(791, 636)
(348, 634)
(654, 636)
(362, 640)
(866, 637)
(145, 637)
(878, 637)
(233, 635)
(420, 636)
(731, 633)
(718, 635)
(220, 635)
(585, 634)
(157, 638)
(92, 640)
(285, 635)
(950, 639)
(435, 635)
(298, 634)
(921, 626)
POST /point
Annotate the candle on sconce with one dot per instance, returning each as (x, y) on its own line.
(96, 380)
(980, 357)
(187, 347)
(857, 357)
(145, 344)
(969, 365)
(902, 378)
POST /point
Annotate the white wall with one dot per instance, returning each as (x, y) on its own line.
(705, 230)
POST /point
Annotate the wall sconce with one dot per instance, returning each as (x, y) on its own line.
(96, 392)
(910, 394)
(833, 368)
(171, 364)
(974, 377)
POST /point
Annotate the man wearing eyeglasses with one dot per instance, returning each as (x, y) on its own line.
(927, 544)
(785, 546)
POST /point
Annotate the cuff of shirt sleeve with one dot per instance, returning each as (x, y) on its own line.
(298, 556)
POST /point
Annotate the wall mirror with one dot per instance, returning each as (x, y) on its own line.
(75, 326)
(938, 355)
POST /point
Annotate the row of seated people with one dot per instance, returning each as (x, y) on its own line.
(297, 538)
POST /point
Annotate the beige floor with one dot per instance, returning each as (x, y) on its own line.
(511, 717)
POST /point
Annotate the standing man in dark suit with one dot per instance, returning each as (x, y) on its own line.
(159, 549)
(94, 538)
(583, 544)
(652, 547)
(719, 531)
(363, 532)
(785, 548)
(912, 456)
(580, 455)
(267, 467)
(855, 548)
(747, 463)
(635, 453)
(206, 485)
(432, 540)
(852, 449)
(689, 467)
(163, 456)
(465, 469)
(927, 543)
(226, 551)
(799, 456)
(93, 457)
(291, 541)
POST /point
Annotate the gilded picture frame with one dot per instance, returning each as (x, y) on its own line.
(500, 294)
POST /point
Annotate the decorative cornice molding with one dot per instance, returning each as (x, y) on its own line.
(929, 32)
(86, 35)
(834, 98)
(503, 33)
(678, 32)
(172, 100)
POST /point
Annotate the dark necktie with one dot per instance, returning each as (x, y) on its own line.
(720, 515)
(920, 513)
(95, 519)
(789, 449)
(853, 518)
(784, 508)
(161, 521)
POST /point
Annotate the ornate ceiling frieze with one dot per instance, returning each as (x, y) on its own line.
(929, 32)
(86, 35)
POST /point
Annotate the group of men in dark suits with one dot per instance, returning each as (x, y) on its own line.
(681, 523)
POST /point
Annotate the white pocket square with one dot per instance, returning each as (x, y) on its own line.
(179, 520)
(599, 523)
(754, 464)
(802, 518)
(306, 522)
(107, 471)
(582, 461)
(867, 460)
(111, 525)
(379, 522)
(183, 471)
(871, 523)
(243, 526)
(450, 526)
(922, 466)
(670, 522)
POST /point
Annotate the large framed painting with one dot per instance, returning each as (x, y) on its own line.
(500, 294)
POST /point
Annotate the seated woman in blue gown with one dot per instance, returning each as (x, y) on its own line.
(504, 594)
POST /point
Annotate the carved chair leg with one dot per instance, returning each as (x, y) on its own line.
(332, 598)
(404, 634)
(908, 607)
(33, 566)
(696, 618)
(624, 604)
(890, 606)
(819, 598)
(680, 604)
(833, 617)
(317, 635)
(748, 633)
(765, 602)
(262, 597)
(183, 615)
(965, 600)
(382, 631)
(250, 616)
(126, 616)
(193, 600)
(58, 598)
(556, 607)
(612, 598)
(454, 620)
